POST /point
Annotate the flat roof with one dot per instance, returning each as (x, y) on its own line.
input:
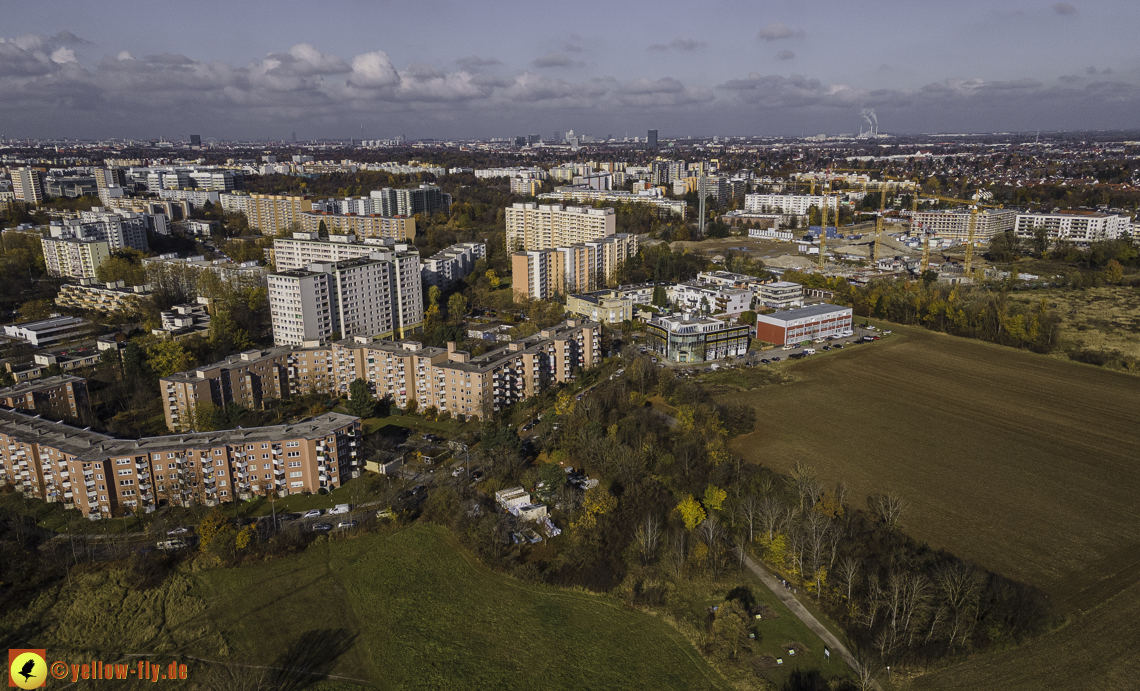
(39, 385)
(805, 312)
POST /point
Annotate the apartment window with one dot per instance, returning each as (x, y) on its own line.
(297, 473)
(217, 452)
(292, 443)
(119, 461)
(98, 476)
(158, 457)
(293, 454)
(264, 446)
(299, 483)
(125, 471)
(294, 464)
(126, 483)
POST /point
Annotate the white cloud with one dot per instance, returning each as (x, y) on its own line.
(778, 30)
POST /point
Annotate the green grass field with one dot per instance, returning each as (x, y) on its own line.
(410, 610)
(1025, 464)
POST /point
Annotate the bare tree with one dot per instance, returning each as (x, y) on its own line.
(889, 508)
(647, 536)
(773, 514)
(802, 480)
(959, 586)
(677, 552)
(849, 575)
(749, 510)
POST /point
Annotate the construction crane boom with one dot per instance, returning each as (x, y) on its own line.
(973, 225)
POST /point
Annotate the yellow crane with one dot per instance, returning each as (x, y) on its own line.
(925, 265)
(974, 205)
(823, 227)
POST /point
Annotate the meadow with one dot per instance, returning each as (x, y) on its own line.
(1096, 320)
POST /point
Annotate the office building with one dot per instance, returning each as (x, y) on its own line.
(61, 396)
(533, 226)
(449, 266)
(1080, 227)
(803, 324)
(788, 203)
(73, 257)
(378, 295)
(391, 228)
(102, 476)
(689, 338)
(651, 139)
(955, 225)
(580, 268)
(28, 185)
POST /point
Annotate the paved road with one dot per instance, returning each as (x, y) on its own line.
(805, 616)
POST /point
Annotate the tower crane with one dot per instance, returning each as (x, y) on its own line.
(974, 205)
(823, 227)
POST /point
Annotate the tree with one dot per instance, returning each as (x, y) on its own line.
(692, 513)
(124, 266)
(456, 307)
(1113, 272)
(929, 277)
(493, 278)
(1005, 247)
(889, 508)
(714, 497)
(433, 296)
(204, 412)
(213, 525)
(647, 536)
(168, 357)
(597, 502)
(553, 478)
(226, 337)
(37, 309)
(360, 400)
(660, 297)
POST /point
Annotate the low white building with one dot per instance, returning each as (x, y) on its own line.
(1081, 227)
(781, 294)
(772, 234)
(709, 299)
(54, 329)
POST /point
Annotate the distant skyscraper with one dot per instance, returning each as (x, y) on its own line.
(294, 136)
(652, 139)
(195, 140)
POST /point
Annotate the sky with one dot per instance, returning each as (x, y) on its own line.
(445, 69)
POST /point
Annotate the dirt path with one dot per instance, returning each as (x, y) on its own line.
(805, 616)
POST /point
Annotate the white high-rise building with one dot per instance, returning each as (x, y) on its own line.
(448, 266)
(378, 295)
(956, 224)
(118, 229)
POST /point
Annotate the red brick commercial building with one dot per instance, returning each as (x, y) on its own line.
(804, 324)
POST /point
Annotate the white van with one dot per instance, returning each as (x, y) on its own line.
(809, 351)
(339, 508)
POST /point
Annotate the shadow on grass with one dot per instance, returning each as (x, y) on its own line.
(311, 658)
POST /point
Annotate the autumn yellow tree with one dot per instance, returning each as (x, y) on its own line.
(597, 502)
(692, 513)
(714, 497)
(213, 525)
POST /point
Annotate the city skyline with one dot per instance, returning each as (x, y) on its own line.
(247, 72)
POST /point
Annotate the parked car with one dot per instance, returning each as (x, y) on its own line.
(385, 513)
(416, 490)
(322, 527)
(312, 513)
(172, 545)
(181, 530)
(346, 524)
(766, 361)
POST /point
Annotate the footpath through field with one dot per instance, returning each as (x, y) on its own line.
(805, 616)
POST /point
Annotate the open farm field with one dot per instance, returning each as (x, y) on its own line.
(1095, 651)
(1096, 319)
(1023, 463)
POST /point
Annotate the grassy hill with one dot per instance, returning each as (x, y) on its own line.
(409, 610)
(406, 609)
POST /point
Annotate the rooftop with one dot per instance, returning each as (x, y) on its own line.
(39, 385)
(807, 312)
(88, 445)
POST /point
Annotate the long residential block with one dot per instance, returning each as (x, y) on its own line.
(401, 371)
(533, 226)
(102, 476)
